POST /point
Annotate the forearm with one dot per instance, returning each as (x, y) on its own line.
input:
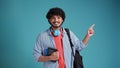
(86, 39)
(53, 56)
(44, 58)
(90, 33)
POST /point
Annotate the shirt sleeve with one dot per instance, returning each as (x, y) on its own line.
(78, 44)
(37, 49)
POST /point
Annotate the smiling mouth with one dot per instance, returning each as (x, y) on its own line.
(56, 23)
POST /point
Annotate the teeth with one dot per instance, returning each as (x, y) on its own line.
(56, 23)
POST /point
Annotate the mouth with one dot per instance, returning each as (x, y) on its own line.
(56, 23)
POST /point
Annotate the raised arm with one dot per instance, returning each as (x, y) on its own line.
(90, 33)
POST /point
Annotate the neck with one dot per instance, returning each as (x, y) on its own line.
(56, 28)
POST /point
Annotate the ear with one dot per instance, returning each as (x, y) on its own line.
(49, 20)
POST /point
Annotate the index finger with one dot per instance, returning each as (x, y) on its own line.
(92, 26)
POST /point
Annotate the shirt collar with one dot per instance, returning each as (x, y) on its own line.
(50, 34)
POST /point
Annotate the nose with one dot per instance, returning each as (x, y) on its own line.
(56, 19)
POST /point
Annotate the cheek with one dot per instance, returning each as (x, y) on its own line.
(50, 21)
(61, 20)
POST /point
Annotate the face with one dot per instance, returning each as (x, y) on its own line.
(56, 21)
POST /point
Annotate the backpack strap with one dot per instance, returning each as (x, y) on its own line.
(71, 44)
(78, 63)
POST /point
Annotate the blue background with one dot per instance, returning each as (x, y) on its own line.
(22, 20)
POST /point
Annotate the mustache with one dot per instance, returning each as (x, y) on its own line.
(55, 22)
(55, 26)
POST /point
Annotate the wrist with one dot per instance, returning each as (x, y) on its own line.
(88, 36)
(49, 58)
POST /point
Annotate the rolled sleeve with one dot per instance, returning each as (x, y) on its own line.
(83, 45)
(37, 50)
(78, 44)
(36, 54)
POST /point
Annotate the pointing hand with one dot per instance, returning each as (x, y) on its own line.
(90, 31)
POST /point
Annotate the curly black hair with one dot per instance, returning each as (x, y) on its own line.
(55, 11)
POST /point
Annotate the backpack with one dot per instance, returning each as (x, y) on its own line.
(78, 63)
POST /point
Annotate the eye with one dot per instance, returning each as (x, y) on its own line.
(59, 17)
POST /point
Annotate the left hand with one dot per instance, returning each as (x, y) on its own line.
(90, 31)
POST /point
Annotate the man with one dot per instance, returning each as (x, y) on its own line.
(56, 37)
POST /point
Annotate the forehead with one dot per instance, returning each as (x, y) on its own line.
(56, 16)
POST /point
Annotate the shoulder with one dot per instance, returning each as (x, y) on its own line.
(70, 31)
(43, 34)
(72, 34)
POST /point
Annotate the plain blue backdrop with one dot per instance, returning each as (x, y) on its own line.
(22, 20)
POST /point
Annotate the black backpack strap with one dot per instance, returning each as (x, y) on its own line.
(68, 34)
(78, 58)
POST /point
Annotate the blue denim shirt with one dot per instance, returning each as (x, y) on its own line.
(45, 40)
